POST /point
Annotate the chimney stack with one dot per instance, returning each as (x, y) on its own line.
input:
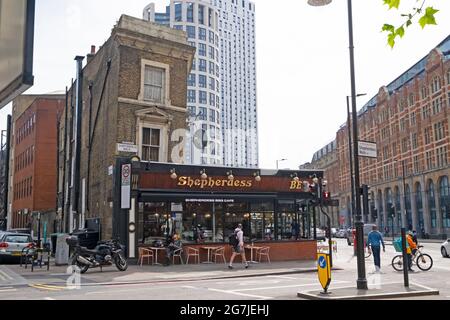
(91, 55)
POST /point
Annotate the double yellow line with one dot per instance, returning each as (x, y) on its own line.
(47, 287)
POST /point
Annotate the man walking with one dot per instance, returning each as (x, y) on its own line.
(374, 243)
(239, 247)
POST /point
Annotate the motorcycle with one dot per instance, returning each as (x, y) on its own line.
(105, 254)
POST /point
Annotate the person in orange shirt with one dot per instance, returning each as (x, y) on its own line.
(411, 249)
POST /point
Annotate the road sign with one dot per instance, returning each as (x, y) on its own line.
(324, 270)
(126, 186)
(367, 149)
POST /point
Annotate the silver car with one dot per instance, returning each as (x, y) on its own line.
(12, 244)
(445, 249)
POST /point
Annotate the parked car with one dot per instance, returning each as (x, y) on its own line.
(321, 234)
(333, 232)
(341, 233)
(24, 231)
(12, 244)
(367, 229)
(445, 249)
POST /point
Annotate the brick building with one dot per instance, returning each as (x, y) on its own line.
(409, 120)
(129, 99)
(33, 175)
(326, 159)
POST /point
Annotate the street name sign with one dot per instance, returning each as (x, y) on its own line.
(367, 149)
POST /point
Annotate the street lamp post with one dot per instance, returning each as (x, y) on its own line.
(362, 281)
(352, 181)
(278, 161)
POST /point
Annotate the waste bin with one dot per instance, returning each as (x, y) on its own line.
(87, 238)
(61, 249)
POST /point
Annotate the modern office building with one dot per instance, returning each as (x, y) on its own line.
(232, 138)
(200, 21)
(409, 121)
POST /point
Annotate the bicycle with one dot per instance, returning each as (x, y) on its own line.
(422, 260)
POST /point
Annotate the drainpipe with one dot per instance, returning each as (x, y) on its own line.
(76, 159)
(8, 142)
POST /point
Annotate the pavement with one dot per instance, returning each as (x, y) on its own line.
(58, 275)
(385, 291)
(387, 285)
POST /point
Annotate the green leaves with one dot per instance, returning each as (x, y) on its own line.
(392, 3)
(427, 18)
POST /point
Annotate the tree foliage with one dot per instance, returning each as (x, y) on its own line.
(424, 15)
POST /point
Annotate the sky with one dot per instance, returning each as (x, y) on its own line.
(303, 68)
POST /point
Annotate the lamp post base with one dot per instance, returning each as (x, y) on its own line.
(361, 284)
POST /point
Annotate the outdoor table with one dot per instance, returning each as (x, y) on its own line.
(210, 249)
(251, 248)
(156, 249)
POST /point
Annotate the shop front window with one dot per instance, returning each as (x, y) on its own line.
(262, 221)
(286, 218)
(202, 223)
(235, 213)
(153, 222)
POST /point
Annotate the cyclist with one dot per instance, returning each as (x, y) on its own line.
(411, 250)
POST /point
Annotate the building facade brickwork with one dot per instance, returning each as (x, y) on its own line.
(134, 94)
(409, 180)
(32, 160)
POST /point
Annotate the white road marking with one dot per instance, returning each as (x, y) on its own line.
(4, 275)
(48, 298)
(282, 287)
(8, 290)
(189, 287)
(241, 294)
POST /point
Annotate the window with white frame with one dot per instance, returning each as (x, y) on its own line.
(436, 85)
(154, 84)
(151, 144)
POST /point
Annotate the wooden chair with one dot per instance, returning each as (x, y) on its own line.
(264, 252)
(219, 253)
(145, 253)
(192, 252)
(178, 254)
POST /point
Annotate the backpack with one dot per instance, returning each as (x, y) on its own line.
(233, 240)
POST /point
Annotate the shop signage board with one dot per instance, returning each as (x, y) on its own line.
(162, 181)
(126, 187)
(324, 270)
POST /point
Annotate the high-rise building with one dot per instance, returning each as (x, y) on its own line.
(229, 135)
(200, 21)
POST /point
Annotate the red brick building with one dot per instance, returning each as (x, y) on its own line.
(33, 169)
(409, 120)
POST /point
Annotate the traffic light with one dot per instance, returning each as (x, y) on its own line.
(326, 196)
(313, 189)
